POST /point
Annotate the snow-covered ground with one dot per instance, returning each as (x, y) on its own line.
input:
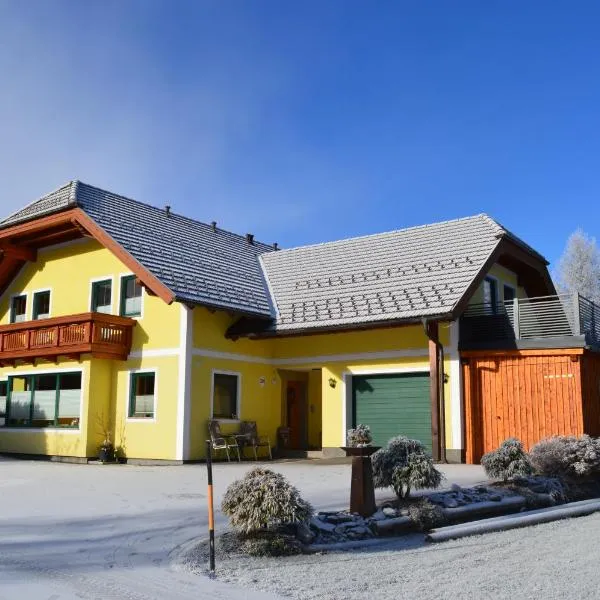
(108, 532)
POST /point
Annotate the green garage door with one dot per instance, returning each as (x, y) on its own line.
(393, 405)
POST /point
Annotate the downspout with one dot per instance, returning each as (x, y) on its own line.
(440, 386)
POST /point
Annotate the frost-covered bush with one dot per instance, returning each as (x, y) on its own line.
(569, 457)
(359, 436)
(404, 464)
(427, 515)
(270, 545)
(419, 472)
(263, 499)
(507, 461)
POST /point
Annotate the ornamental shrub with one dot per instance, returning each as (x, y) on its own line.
(360, 436)
(263, 499)
(507, 461)
(568, 457)
(426, 515)
(404, 464)
(270, 545)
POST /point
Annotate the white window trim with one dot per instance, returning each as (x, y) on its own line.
(27, 306)
(346, 388)
(118, 311)
(112, 291)
(131, 372)
(70, 430)
(238, 399)
(41, 290)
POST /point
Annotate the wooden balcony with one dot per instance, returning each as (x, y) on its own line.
(567, 320)
(101, 335)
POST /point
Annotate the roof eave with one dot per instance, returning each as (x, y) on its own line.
(343, 327)
(244, 312)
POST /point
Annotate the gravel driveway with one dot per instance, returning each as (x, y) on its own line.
(107, 532)
(552, 561)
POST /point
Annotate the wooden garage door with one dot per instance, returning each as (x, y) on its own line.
(529, 397)
(393, 405)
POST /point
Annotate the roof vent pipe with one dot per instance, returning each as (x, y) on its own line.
(168, 210)
(213, 224)
(250, 238)
(275, 246)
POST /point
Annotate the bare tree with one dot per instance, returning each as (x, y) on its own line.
(579, 267)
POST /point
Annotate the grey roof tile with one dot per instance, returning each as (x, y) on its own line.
(53, 202)
(199, 265)
(399, 275)
(409, 273)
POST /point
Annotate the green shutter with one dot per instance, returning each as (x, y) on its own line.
(393, 405)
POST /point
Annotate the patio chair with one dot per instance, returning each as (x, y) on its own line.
(218, 441)
(249, 431)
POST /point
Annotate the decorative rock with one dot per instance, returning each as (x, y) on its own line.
(305, 534)
(339, 518)
(321, 525)
(378, 516)
(451, 503)
(359, 532)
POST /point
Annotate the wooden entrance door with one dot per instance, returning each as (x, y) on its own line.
(296, 414)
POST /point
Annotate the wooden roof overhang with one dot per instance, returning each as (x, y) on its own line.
(19, 244)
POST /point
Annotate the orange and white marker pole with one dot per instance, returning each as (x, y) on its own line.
(211, 512)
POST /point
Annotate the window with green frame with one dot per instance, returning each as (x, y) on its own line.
(142, 394)
(3, 395)
(41, 305)
(47, 400)
(131, 297)
(18, 309)
(102, 296)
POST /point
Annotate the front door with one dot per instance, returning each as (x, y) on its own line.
(296, 414)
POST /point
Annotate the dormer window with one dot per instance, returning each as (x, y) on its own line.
(131, 297)
(18, 309)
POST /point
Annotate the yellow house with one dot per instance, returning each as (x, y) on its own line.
(122, 320)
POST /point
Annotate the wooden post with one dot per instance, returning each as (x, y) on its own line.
(434, 388)
(211, 514)
(516, 318)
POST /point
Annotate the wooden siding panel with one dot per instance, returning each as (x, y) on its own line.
(529, 397)
(590, 390)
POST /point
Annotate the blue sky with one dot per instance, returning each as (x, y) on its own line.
(309, 121)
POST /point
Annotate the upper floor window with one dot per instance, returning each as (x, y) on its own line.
(490, 295)
(18, 309)
(225, 400)
(131, 297)
(141, 401)
(41, 305)
(102, 296)
(509, 293)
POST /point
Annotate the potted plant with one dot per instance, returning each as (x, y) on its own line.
(359, 437)
(107, 451)
(358, 441)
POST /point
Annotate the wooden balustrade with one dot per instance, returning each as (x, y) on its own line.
(102, 335)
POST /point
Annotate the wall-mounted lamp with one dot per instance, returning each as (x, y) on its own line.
(332, 382)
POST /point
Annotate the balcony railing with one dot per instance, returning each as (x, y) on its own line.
(102, 335)
(549, 318)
